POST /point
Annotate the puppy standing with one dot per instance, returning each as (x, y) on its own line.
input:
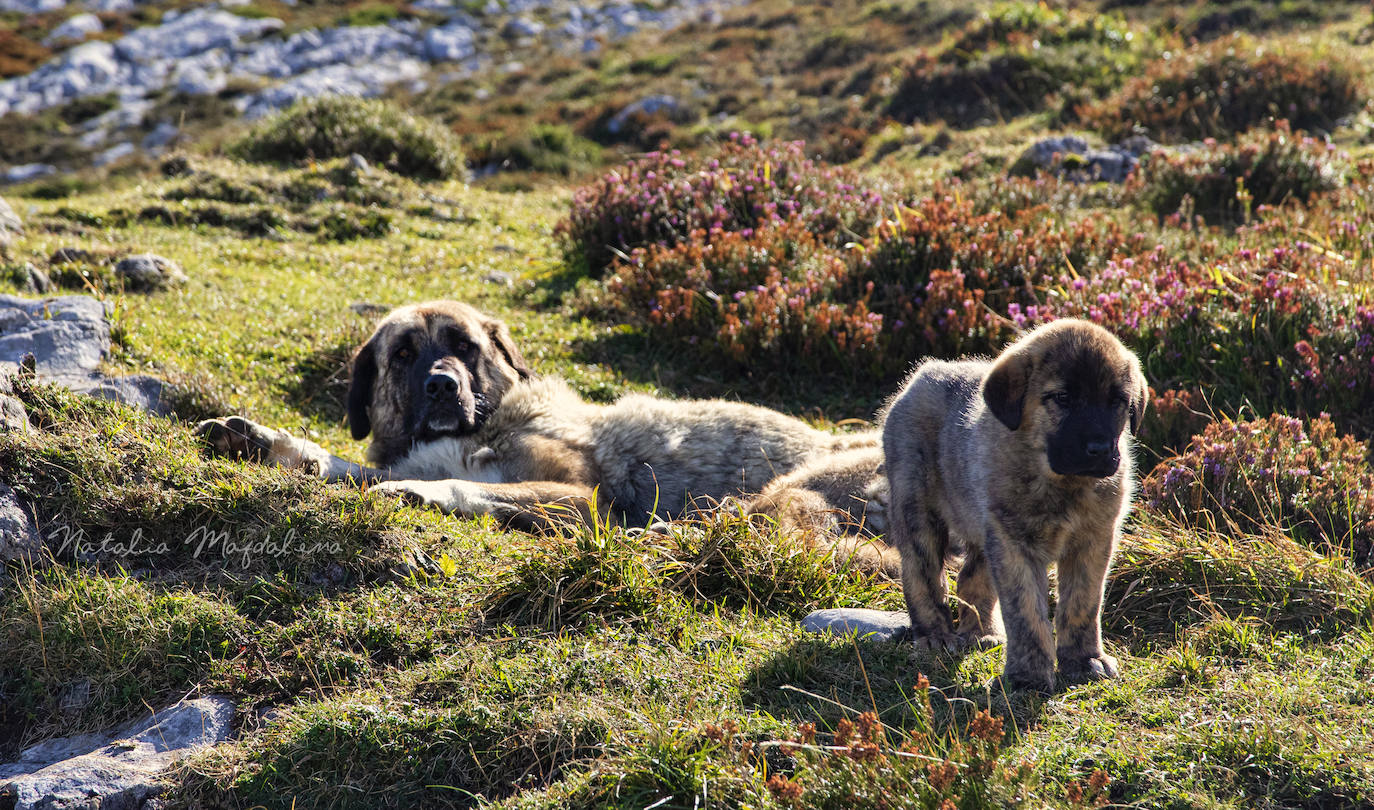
(1019, 463)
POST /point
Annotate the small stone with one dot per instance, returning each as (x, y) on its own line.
(75, 29)
(499, 277)
(10, 224)
(19, 538)
(873, 625)
(26, 172)
(37, 281)
(649, 106)
(117, 152)
(359, 163)
(148, 271)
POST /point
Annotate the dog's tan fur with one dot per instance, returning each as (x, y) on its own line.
(968, 450)
(538, 453)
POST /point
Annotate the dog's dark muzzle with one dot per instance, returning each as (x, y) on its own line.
(444, 402)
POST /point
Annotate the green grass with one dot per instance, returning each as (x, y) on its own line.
(412, 659)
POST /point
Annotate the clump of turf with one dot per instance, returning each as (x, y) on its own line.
(337, 126)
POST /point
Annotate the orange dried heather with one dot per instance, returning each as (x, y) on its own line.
(941, 775)
(986, 727)
(784, 790)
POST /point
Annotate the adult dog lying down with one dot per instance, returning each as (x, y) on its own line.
(459, 421)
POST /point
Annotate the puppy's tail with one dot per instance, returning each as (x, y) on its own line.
(849, 535)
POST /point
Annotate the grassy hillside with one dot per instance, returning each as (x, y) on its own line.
(394, 657)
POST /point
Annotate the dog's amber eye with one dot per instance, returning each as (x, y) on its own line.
(1060, 398)
(404, 355)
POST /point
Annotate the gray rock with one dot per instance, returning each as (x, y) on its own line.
(36, 280)
(452, 43)
(874, 625)
(19, 537)
(366, 81)
(68, 337)
(163, 134)
(522, 28)
(1071, 157)
(10, 223)
(77, 28)
(32, 6)
(117, 152)
(192, 33)
(648, 106)
(147, 271)
(13, 415)
(116, 770)
(26, 172)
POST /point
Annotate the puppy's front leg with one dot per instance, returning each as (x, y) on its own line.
(1023, 588)
(1078, 614)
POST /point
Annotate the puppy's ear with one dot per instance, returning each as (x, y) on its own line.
(360, 385)
(505, 344)
(1140, 397)
(1004, 389)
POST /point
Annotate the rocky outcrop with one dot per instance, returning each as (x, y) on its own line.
(197, 52)
(121, 769)
(68, 337)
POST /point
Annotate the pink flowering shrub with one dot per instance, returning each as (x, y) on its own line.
(663, 197)
(1276, 471)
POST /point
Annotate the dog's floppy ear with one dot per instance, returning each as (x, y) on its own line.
(1140, 397)
(505, 344)
(1004, 389)
(360, 385)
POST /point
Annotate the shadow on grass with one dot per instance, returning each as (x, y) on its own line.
(318, 384)
(822, 680)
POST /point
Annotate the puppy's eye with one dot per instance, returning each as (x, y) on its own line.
(463, 347)
(404, 355)
(1120, 401)
(1060, 398)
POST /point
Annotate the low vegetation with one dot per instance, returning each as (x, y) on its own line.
(337, 127)
(830, 202)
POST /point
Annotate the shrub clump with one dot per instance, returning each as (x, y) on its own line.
(1009, 61)
(337, 126)
(1227, 87)
(663, 197)
(1276, 471)
(932, 280)
(1226, 183)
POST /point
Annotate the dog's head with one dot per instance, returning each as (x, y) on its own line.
(1076, 389)
(429, 371)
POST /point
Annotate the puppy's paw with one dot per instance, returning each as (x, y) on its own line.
(1041, 681)
(238, 438)
(936, 642)
(973, 641)
(1084, 669)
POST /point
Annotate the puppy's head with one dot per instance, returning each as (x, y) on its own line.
(1073, 390)
(429, 371)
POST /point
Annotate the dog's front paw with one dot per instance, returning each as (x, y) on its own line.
(452, 496)
(238, 438)
(1086, 668)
